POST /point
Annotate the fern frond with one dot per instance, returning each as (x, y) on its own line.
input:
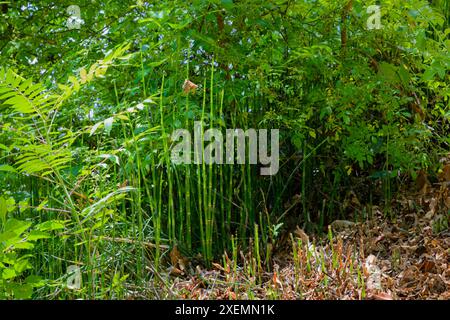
(23, 96)
(42, 159)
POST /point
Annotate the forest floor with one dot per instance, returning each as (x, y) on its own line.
(406, 257)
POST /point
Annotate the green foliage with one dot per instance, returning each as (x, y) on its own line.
(89, 142)
(17, 240)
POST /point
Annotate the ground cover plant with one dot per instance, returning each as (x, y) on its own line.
(93, 205)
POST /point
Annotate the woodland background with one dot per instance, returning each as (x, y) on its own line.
(358, 209)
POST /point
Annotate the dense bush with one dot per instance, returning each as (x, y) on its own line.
(359, 111)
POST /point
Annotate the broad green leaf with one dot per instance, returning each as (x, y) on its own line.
(23, 245)
(227, 4)
(36, 235)
(50, 225)
(21, 265)
(122, 117)
(22, 291)
(16, 226)
(7, 236)
(388, 72)
(429, 74)
(8, 273)
(35, 281)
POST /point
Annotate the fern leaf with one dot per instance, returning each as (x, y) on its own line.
(24, 96)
